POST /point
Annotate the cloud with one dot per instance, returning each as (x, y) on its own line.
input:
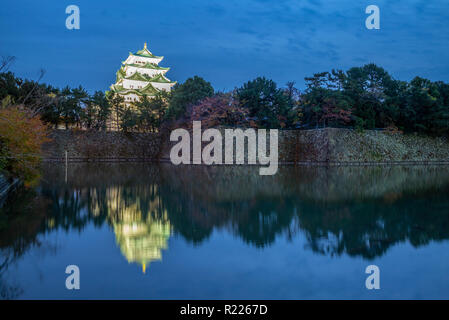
(229, 42)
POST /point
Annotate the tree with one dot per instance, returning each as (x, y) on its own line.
(52, 111)
(6, 62)
(152, 111)
(67, 107)
(319, 92)
(97, 111)
(31, 94)
(422, 107)
(129, 119)
(21, 137)
(440, 115)
(366, 96)
(117, 107)
(265, 102)
(335, 112)
(292, 93)
(220, 110)
(370, 88)
(186, 95)
(9, 87)
(79, 97)
(147, 117)
(73, 103)
(295, 113)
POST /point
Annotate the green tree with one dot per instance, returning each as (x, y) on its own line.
(129, 119)
(152, 111)
(322, 95)
(79, 97)
(186, 95)
(67, 107)
(117, 108)
(97, 111)
(295, 113)
(266, 103)
(422, 108)
(9, 87)
(440, 116)
(52, 112)
(369, 89)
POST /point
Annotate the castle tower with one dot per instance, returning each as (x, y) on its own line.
(139, 75)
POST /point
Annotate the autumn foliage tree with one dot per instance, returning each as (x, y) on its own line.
(333, 114)
(21, 137)
(220, 110)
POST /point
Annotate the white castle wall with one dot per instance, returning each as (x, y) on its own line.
(162, 86)
(142, 60)
(150, 72)
(134, 84)
(131, 97)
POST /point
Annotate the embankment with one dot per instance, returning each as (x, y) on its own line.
(101, 146)
(321, 146)
(345, 146)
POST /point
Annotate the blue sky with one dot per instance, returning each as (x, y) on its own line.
(226, 42)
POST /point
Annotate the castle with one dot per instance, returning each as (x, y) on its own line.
(140, 75)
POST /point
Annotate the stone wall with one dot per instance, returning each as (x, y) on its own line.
(101, 146)
(333, 145)
(345, 146)
(330, 146)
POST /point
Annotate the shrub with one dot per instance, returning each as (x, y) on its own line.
(21, 138)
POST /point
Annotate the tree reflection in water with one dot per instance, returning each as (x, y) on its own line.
(357, 211)
(21, 220)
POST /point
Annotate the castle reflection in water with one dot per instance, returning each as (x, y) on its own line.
(141, 237)
(355, 211)
(138, 219)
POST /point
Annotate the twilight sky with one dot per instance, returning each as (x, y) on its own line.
(226, 42)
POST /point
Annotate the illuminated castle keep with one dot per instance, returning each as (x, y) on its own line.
(140, 75)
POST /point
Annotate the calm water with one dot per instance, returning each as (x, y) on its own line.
(164, 232)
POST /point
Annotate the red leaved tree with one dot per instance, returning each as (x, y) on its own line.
(220, 110)
(334, 115)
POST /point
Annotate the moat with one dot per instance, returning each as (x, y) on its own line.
(157, 231)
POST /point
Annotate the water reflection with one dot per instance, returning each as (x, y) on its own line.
(21, 220)
(134, 211)
(355, 211)
(141, 232)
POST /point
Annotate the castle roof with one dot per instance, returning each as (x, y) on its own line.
(145, 53)
(147, 66)
(121, 74)
(161, 79)
(148, 90)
